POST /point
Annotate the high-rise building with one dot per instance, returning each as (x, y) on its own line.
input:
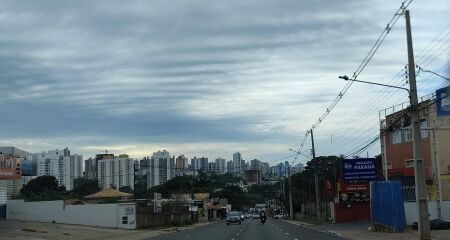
(91, 165)
(237, 163)
(181, 163)
(212, 167)
(28, 170)
(195, 164)
(230, 167)
(204, 165)
(221, 167)
(200, 164)
(60, 164)
(161, 169)
(116, 172)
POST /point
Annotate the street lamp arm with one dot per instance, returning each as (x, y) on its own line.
(346, 78)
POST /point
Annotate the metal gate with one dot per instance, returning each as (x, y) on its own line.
(3, 211)
(2, 203)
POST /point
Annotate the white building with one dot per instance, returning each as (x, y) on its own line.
(116, 172)
(161, 169)
(237, 163)
(60, 164)
(220, 167)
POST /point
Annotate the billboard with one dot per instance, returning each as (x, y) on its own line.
(443, 101)
(9, 167)
(359, 169)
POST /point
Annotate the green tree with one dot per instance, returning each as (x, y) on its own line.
(43, 188)
(84, 187)
(126, 189)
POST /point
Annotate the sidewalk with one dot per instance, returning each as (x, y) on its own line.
(22, 230)
(360, 231)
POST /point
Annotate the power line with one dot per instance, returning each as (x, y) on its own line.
(361, 67)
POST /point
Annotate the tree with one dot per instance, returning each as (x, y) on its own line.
(41, 184)
(84, 187)
(126, 189)
(43, 188)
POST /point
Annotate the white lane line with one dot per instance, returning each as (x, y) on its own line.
(237, 234)
(295, 238)
(287, 233)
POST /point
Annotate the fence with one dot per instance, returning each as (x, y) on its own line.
(409, 193)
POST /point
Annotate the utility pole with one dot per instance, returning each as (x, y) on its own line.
(316, 180)
(421, 196)
(291, 210)
(134, 181)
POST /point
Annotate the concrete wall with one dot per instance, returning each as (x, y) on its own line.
(412, 216)
(103, 215)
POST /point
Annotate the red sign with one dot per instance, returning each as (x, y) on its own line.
(354, 187)
(407, 172)
(9, 167)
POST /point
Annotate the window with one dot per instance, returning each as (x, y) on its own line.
(424, 129)
(409, 163)
(396, 137)
(407, 134)
(124, 220)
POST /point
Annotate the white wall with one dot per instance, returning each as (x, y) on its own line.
(102, 215)
(412, 216)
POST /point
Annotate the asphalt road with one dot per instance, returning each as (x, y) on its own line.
(249, 230)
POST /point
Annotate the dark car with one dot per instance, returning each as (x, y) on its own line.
(233, 217)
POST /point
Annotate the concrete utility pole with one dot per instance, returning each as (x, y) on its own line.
(421, 196)
(291, 210)
(316, 180)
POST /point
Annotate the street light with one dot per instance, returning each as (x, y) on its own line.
(346, 78)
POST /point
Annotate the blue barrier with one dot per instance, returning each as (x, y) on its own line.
(386, 206)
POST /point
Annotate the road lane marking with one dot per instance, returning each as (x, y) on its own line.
(287, 233)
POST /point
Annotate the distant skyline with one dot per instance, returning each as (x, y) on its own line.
(206, 78)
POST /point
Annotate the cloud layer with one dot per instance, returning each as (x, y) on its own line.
(199, 77)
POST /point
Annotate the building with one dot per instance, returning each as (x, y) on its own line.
(230, 167)
(161, 169)
(60, 164)
(397, 146)
(237, 163)
(212, 167)
(91, 165)
(116, 172)
(181, 163)
(253, 176)
(221, 167)
(27, 170)
(28, 163)
(200, 164)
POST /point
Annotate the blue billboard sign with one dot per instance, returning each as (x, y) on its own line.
(443, 101)
(359, 169)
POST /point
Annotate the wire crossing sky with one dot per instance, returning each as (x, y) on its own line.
(206, 78)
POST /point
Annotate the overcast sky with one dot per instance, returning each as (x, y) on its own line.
(205, 78)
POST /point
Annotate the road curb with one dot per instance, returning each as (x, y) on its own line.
(309, 227)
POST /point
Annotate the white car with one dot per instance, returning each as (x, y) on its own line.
(279, 216)
(255, 216)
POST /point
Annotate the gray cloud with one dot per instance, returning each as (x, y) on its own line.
(171, 73)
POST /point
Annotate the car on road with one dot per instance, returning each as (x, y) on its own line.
(279, 216)
(233, 217)
(255, 215)
(248, 215)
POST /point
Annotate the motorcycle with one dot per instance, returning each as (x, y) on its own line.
(263, 220)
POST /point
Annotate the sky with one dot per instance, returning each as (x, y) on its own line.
(206, 78)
